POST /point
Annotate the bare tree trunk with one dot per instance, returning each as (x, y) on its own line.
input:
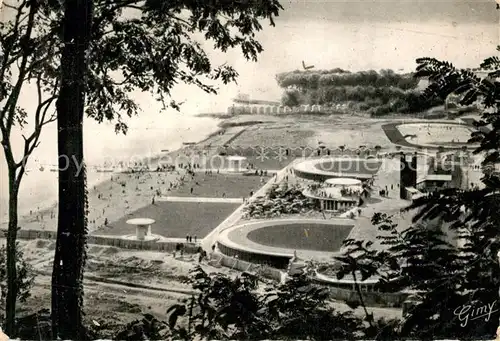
(10, 304)
(69, 260)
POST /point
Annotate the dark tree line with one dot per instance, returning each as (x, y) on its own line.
(378, 93)
(339, 78)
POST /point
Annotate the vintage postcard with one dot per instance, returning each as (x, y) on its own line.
(249, 169)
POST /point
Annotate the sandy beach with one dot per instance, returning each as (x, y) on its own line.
(123, 192)
(112, 199)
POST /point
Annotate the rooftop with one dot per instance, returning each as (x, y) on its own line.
(436, 177)
(343, 182)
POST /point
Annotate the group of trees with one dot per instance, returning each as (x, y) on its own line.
(307, 80)
(279, 200)
(377, 93)
(87, 57)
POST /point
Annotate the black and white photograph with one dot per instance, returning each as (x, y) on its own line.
(249, 170)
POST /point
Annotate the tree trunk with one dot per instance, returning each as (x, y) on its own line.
(369, 316)
(10, 304)
(69, 259)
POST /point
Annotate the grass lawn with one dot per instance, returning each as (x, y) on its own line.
(213, 186)
(316, 237)
(267, 158)
(175, 219)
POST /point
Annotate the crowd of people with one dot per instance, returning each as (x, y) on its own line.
(319, 189)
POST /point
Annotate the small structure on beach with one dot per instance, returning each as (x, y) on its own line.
(235, 163)
(142, 228)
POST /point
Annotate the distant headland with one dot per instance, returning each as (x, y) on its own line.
(338, 91)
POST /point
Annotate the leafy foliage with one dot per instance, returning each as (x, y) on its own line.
(147, 328)
(474, 213)
(155, 48)
(25, 275)
(422, 259)
(146, 46)
(279, 200)
(377, 93)
(316, 79)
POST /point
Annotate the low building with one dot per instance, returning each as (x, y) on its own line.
(337, 194)
(433, 182)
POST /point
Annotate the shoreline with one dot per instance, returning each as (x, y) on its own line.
(114, 202)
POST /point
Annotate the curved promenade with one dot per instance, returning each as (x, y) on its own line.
(323, 169)
(235, 242)
(395, 136)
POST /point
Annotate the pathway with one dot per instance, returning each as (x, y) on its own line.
(229, 171)
(201, 199)
(210, 239)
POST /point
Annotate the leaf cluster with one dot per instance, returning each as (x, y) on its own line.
(240, 308)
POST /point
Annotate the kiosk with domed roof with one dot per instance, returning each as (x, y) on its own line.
(336, 194)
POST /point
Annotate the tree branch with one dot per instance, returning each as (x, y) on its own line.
(31, 142)
(8, 49)
(10, 106)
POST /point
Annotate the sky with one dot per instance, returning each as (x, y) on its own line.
(383, 11)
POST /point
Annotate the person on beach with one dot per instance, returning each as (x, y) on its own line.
(105, 221)
(195, 238)
(187, 238)
(153, 201)
(192, 189)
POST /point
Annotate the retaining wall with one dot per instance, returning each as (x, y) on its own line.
(238, 264)
(163, 246)
(371, 297)
(279, 262)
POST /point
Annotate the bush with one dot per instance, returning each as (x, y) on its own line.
(367, 90)
(291, 98)
(25, 276)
